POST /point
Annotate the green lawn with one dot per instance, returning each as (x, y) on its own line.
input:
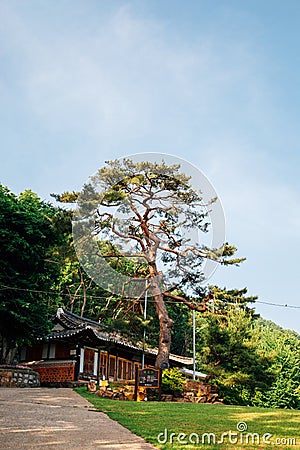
(149, 419)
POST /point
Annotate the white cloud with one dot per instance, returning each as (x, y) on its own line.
(127, 77)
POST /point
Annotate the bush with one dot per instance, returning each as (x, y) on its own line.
(173, 381)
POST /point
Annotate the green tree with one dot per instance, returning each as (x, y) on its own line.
(159, 206)
(284, 391)
(223, 299)
(26, 236)
(229, 352)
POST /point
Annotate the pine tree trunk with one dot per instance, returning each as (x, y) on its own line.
(165, 327)
(165, 323)
(7, 351)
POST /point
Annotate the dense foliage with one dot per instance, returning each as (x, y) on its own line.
(173, 381)
(284, 345)
(253, 362)
(230, 355)
(26, 236)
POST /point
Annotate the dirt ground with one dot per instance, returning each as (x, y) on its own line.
(42, 418)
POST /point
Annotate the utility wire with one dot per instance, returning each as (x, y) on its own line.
(278, 304)
(5, 287)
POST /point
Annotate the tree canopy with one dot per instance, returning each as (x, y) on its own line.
(151, 211)
(26, 235)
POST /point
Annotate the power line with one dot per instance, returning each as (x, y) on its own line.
(278, 304)
(36, 291)
(3, 287)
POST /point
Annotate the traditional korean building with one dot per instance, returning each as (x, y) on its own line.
(81, 349)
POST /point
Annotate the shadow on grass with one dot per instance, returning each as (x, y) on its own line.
(149, 419)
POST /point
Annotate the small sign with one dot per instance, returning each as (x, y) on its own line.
(149, 378)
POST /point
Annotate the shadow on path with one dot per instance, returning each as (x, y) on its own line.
(42, 418)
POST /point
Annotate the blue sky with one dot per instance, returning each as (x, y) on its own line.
(214, 82)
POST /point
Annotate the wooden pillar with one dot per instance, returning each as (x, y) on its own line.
(136, 383)
(116, 368)
(159, 384)
(107, 366)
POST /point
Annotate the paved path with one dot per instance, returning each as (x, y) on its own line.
(41, 418)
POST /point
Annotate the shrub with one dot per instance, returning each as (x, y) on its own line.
(173, 381)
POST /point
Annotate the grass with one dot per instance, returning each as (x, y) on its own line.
(148, 419)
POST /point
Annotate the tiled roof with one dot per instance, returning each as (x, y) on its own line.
(74, 325)
(72, 320)
(92, 333)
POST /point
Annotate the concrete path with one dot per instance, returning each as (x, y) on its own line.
(41, 418)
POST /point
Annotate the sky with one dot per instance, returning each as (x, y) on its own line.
(214, 82)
